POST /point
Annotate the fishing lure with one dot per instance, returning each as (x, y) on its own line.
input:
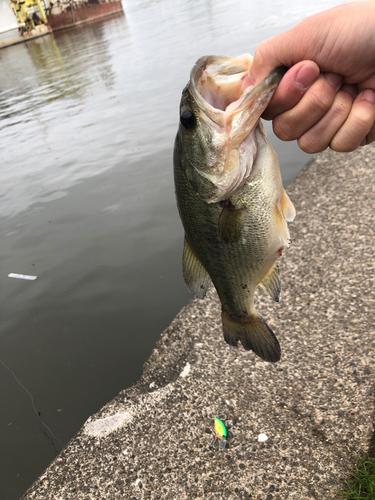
(221, 432)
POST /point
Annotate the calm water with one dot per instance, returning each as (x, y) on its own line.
(87, 123)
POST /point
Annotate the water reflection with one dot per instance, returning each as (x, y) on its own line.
(41, 98)
(37, 73)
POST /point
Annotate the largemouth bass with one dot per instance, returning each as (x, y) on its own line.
(230, 195)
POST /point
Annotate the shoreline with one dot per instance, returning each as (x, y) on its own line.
(152, 441)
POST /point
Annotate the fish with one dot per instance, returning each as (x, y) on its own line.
(230, 197)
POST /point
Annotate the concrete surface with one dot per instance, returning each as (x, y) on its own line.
(316, 405)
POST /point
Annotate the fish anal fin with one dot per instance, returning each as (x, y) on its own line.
(196, 277)
(282, 226)
(271, 283)
(287, 207)
(254, 334)
(231, 222)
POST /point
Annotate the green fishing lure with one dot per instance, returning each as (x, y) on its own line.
(221, 432)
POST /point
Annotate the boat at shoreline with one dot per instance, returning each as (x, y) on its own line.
(22, 20)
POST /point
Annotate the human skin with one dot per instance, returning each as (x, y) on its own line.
(326, 98)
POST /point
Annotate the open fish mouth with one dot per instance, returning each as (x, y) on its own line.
(225, 93)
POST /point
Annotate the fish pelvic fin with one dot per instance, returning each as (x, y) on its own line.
(287, 207)
(271, 283)
(196, 277)
(231, 222)
(254, 334)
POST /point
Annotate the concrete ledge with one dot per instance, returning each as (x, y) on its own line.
(316, 405)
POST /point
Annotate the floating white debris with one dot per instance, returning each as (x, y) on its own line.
(22, 276)
(185, 372)
(262, 438)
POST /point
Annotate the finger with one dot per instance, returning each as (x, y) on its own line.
(320, 135)
(267, 58)
(314, 104)
(292, 87)
(358, 124)
(368, 83)
(285, 49)
(350, 89)
(370, 137)
(303, 42)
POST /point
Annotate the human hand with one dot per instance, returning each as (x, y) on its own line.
(327, 97)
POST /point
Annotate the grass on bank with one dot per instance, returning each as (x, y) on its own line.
(361, 485)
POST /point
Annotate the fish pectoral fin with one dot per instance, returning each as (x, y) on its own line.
(196, 277)
(254, 334)
(287, 207)
(230, 223)
(271, 283)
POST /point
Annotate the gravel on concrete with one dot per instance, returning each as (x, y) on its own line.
(316, 405)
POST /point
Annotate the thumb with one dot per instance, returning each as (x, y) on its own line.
(272, 53)
(308, 41)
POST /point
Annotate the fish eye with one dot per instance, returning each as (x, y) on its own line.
(187, 119)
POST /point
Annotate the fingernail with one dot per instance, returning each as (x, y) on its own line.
(334, 79)
(306, 76)
(350, 89)
(368, 95)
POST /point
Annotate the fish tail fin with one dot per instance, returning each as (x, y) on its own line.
(254, 334)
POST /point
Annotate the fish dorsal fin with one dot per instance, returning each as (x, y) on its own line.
(287, 207)
(196, 277)
(271, 283)
(231, 222)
